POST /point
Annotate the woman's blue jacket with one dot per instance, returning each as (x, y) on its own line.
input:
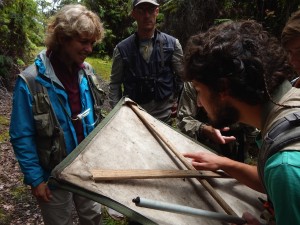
(22, 128)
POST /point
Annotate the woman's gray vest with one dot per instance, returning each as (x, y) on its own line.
(144, 81)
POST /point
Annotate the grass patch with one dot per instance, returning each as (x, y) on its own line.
(102, 67)
(4, 121)
(4, 217)
(4, 135)
(108, 220)
(19, 192)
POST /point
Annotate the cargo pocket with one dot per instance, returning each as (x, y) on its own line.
(49, 136)
(44, 138)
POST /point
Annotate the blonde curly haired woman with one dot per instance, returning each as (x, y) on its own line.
(60, 70)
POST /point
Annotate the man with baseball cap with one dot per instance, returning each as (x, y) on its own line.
(137, 2)
(148, 64)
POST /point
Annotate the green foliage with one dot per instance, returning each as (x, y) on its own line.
(20, 25)
(23, 22)
(20, 31)
(160, 19)
(272, 14)
(20, 62)
(102, 67)
(219, 21)
(108, 220)
(185, 18)
(5, 61)
(116, 17)
(99, 49)
(6, 65)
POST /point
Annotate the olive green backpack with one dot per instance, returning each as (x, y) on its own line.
(283, 132)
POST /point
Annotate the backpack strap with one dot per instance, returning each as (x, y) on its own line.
(38, 91)
(283, 132)
(29, 75)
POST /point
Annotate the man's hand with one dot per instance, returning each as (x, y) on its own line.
(251, 220)
(216, 136)
(206, 160)
(42, 192)
(174, 110)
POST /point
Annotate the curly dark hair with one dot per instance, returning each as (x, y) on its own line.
(239, 56)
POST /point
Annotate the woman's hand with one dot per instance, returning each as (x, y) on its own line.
(42, 192)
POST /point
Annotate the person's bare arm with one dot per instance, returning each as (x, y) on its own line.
(244, 173)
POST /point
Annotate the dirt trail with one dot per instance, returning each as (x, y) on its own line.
(17, 206)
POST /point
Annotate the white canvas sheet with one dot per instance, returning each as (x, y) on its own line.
(125, 143)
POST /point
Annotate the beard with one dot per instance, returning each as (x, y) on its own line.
(224, 115)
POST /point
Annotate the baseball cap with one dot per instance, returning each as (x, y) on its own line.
(137, 2)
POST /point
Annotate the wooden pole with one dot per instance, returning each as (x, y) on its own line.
(104, 174)
(172, 148)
